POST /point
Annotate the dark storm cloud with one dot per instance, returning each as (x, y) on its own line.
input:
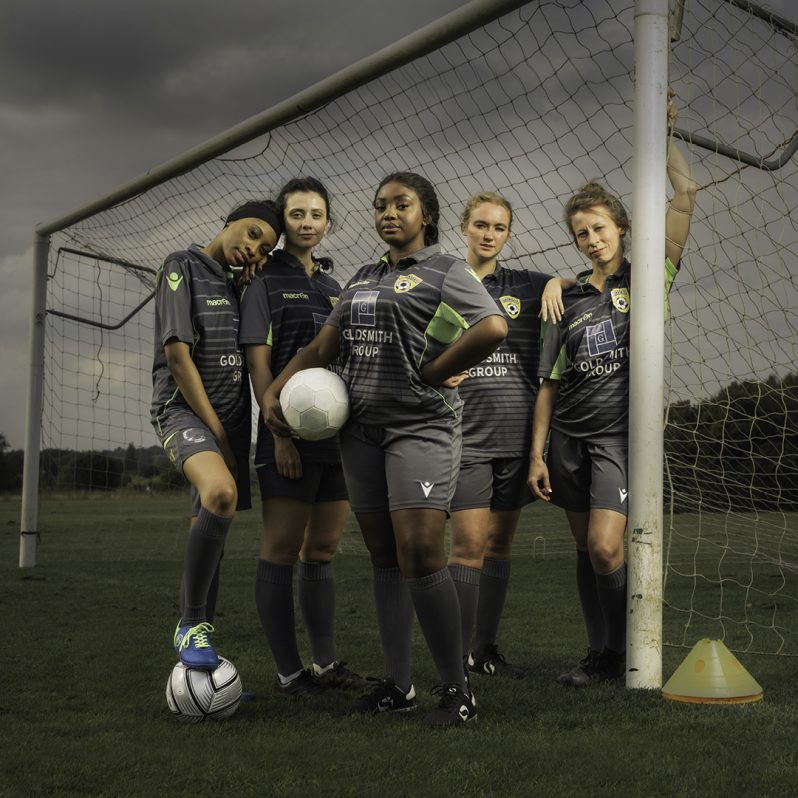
(177, 63)
(95, 93)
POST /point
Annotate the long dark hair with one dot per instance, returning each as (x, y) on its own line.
(298, 184)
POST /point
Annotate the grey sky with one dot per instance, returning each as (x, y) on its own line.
(96, 93)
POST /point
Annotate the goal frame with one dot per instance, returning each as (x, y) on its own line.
(646, 416)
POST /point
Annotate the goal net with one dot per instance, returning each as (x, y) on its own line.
(532, 105)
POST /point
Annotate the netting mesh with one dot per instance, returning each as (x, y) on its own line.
(532, 105)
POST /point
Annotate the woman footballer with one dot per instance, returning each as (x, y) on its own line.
(584, 401)
(201, 406)
(301, 482)
(499, 396)
(406, 328)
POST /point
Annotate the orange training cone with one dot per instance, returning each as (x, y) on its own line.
(711, 674)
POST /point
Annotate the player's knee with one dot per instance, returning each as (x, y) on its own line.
(319, 550)
(221, 498)
(605, 556)
(467, 549)
(499, 548)
(419, 560)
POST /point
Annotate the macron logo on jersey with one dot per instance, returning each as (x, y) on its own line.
(173, 280)
(426, 487)
(623, 494)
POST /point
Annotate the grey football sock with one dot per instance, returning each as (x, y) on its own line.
(213, 593)
(274, 598)
(203, 551)
(589, 599)
(317, 602)
(395, 622)
(492, 593)
(466, 583)
(612, 597)
(438, 612)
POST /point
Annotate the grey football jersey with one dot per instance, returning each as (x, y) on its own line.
(392, 321)
(588, 352)
(196, 302)
(499, 393)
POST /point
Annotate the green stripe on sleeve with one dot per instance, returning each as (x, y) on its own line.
(447, 325)
(560, 365)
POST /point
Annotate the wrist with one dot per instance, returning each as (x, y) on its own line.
(428, 374)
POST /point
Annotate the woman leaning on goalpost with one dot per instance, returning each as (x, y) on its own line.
(584, 400)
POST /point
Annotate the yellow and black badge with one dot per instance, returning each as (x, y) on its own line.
(620, 299)
(404, 282)
(511, 305)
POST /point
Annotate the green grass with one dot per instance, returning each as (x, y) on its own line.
(80, 716)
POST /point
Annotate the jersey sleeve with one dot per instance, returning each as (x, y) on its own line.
(463, 292)
(538, 282)
(553, 359)
(173, 301)
(256, 316)
(670, 275)
(334, 319)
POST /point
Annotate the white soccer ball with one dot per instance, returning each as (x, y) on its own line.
(194, 695)
(315, 403)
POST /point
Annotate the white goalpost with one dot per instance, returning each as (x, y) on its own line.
(530, 99)
(647, 348)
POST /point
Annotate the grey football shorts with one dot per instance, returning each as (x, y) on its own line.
(585, 475)
(499, 483)
(193, 436)
(414, 465)
(320, 482)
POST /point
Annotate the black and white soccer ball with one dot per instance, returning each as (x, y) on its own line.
(195, 696)
(315, 403)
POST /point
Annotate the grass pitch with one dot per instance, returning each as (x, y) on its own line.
(86, 653)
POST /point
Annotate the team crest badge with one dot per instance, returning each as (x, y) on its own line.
(511, 305)
(405, 282)
(620, 299)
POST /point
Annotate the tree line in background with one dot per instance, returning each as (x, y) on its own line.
(132, 468)
(737, 450)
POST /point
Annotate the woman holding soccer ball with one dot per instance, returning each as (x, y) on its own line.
(499, 395)
(406, 328)
(200, 402)
(301, 482)
(584, 401)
